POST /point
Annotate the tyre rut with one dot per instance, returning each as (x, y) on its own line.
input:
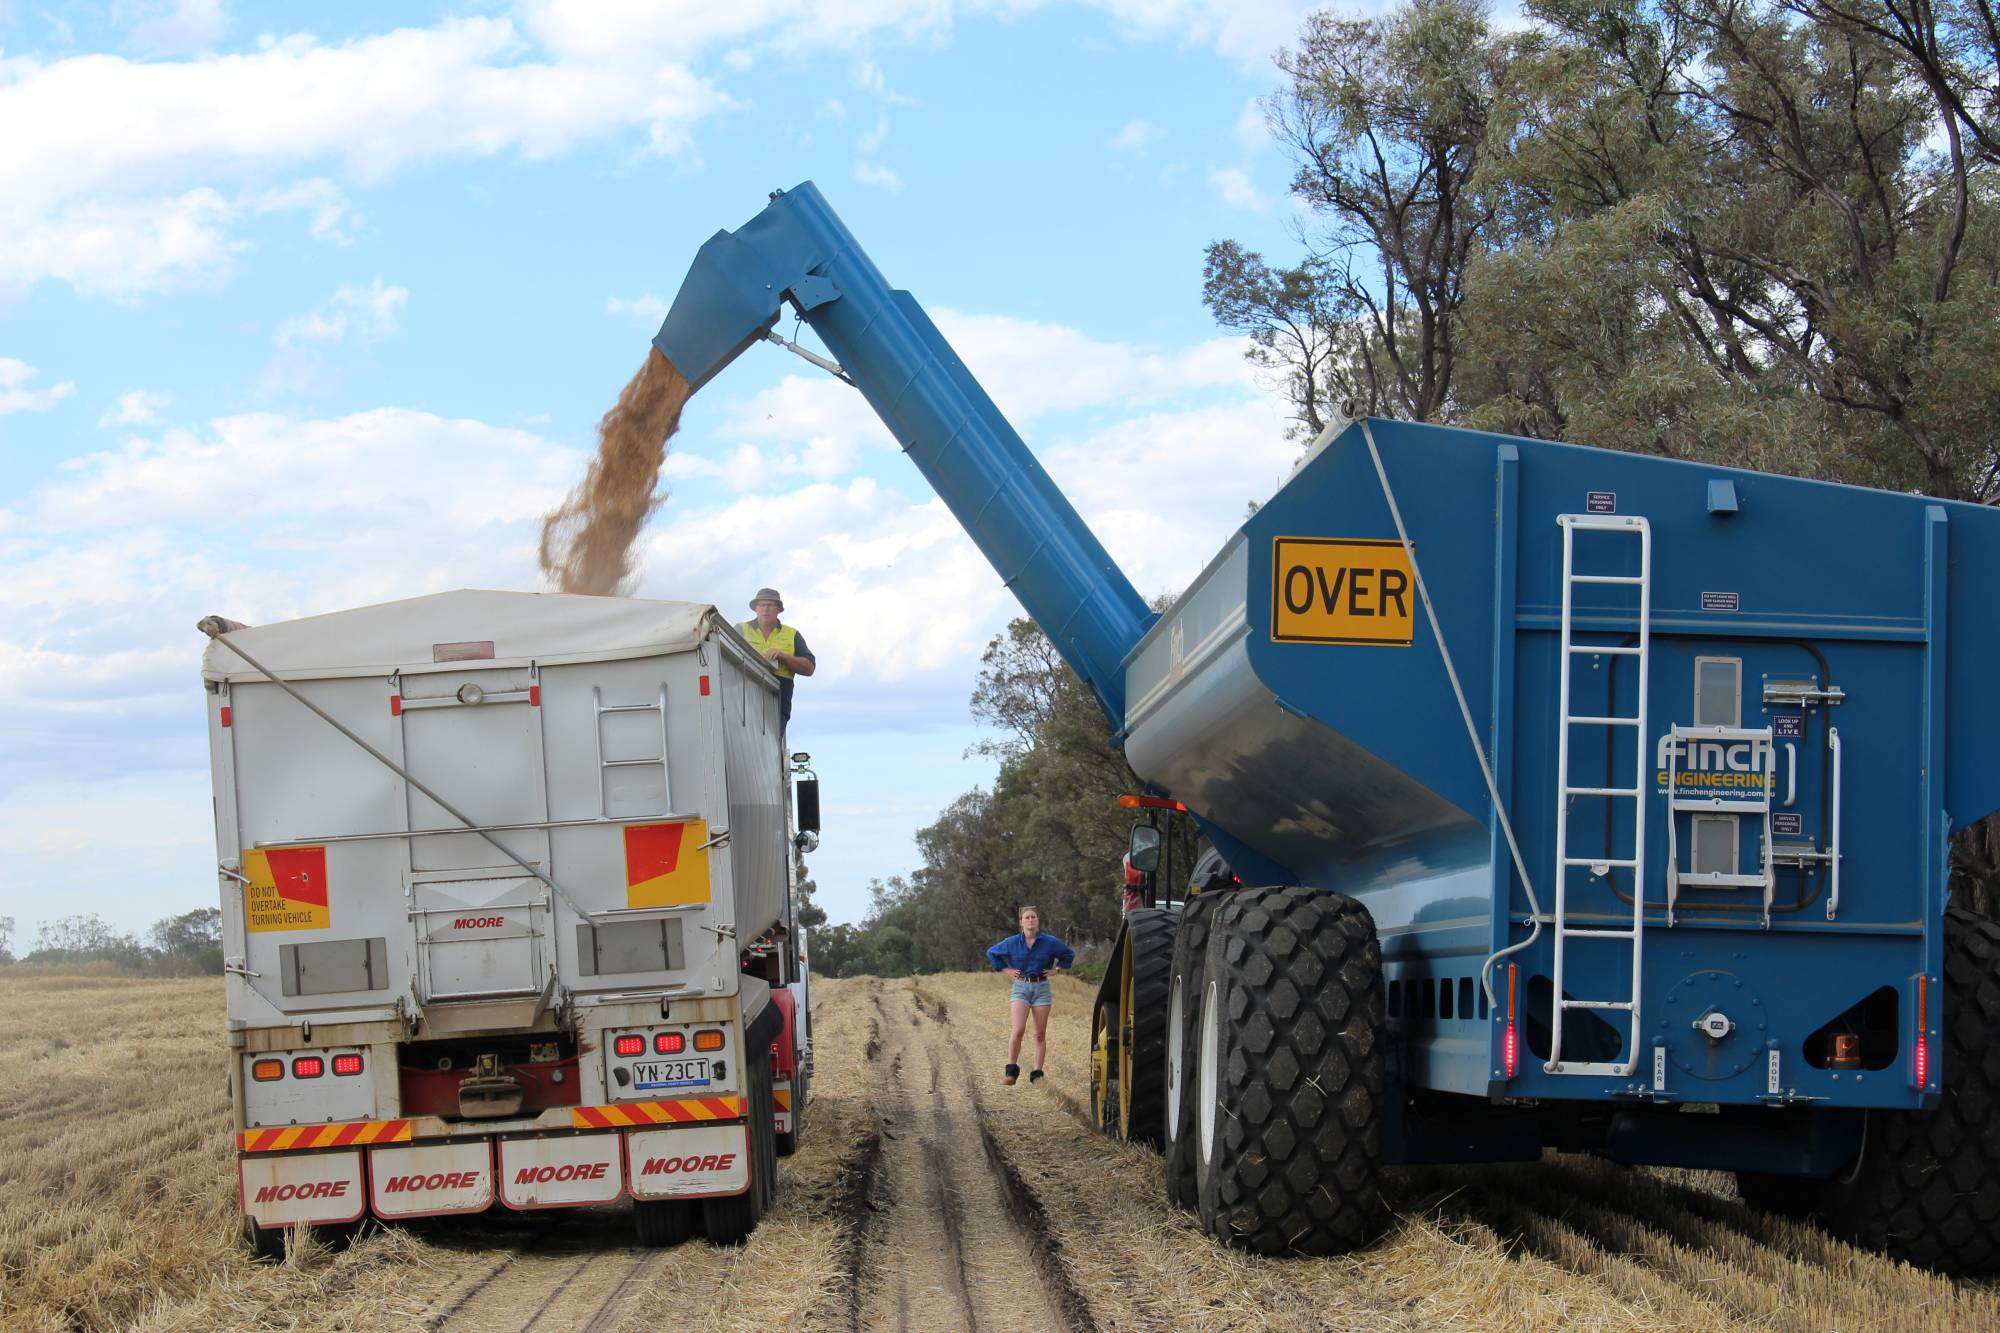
(947, 1178)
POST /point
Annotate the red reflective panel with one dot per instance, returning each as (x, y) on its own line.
(346, 1064)
(308, 1066)
(630, 1046)
(670, 1043)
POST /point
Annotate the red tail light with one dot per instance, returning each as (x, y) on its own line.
(630, 1046)
(1510, 1044)
(1923, 1052)
(308, 1066)
(346, 1064)
(670, 1043)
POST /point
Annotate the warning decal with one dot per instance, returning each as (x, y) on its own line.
(1342, 590)
(666, 865)
(287, 889)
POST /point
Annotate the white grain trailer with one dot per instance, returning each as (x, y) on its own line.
(506, 893)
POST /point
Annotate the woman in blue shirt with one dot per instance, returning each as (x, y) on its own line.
(1030, 958)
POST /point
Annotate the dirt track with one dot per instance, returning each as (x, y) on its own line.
(927, 1195)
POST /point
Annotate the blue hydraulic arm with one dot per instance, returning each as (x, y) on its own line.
(798, 250)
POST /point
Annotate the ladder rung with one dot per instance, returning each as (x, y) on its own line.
(1626, 863)
(1600, 791)
(629, 708)
(1607, 649)
(1626, 1005)
(1719, 880)
(1605, 578)
(631, 763)
(1602, 721)
(1595, 933)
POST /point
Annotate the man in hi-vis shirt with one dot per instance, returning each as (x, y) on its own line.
(781, 645)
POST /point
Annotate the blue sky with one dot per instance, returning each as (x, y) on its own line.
(308, 310)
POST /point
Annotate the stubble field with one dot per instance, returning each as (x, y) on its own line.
(927, 1195)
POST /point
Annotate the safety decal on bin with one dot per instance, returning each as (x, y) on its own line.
(1355, 590)
(285, 889)
(681, 1111)
(289, 1138)
(666, 865)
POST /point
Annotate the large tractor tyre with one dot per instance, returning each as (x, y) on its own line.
(1146, 974)
(1104, 1066)
(730, 1220)
(663, 1222)
(1289, 1085)
(1183, 1041)
(1926, 1187)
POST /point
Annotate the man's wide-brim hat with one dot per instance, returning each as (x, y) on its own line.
(767, 595)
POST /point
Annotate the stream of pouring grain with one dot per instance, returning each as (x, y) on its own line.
(587, 540)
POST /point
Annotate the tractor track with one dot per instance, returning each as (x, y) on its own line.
(942, 1222)
(579, 1271)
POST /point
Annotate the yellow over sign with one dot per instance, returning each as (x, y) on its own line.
(1342, 590)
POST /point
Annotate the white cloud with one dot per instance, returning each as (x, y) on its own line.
(191, 25)
(138, 173)
(869, 142)
(333, 216)
(16, 398)
(1233, 184)
(869, 174)
(1253, 131)
(370, 312)
(646, 309)
(1136, 137)
(118, 141)
(136, 408)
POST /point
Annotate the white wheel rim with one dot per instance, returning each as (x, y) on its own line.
(1176, 1002)
(1208, 1076)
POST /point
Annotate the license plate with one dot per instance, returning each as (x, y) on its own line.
(669, 1073)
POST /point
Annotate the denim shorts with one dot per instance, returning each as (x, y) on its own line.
(1034, 992)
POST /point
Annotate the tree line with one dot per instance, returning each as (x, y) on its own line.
(1756, 232)
(186, 945)
(1763, 233)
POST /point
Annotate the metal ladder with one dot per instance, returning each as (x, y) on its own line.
(1634, 526)
(604, 766)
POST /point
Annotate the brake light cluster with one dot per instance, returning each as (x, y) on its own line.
(667, 1043)
(272, 1068)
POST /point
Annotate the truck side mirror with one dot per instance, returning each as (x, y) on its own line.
(1144, 849)
(805, 801)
